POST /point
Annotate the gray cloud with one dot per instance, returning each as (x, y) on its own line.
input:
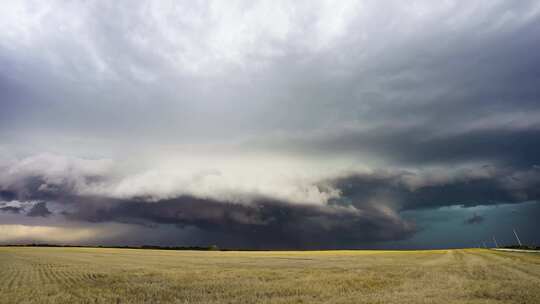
(11, 209)
(474, 219)
(438, 188)
(365, 209)
(294, 121)
(263, 224)
(39, 209)
(161, 66)
(422, 146)
(253, 220)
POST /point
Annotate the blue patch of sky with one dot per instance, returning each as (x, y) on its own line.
(446, 227)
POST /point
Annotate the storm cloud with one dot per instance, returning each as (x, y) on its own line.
(39, 209)
(10, 209)
(355, 208)
(474, 219)
(303, 124)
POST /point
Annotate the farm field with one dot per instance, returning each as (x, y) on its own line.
(96, 275)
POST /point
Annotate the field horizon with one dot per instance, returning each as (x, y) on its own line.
(115, 275)
(227, 249)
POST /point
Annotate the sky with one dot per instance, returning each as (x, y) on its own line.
(270, 124)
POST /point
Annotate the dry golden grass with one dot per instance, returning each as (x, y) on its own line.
(89, 275)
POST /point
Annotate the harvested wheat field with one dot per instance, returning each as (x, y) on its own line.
(91, 275)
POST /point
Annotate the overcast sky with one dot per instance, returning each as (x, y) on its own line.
(269, 124)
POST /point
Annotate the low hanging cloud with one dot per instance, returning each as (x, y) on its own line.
(11, 209)
(433, 188)
(357, 208)
(39, 209)
(261, 224)
(254, 218)
(474, 219)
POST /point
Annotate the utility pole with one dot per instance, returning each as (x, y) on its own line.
(517, 237)
(495, 241)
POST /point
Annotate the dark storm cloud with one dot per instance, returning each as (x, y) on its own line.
(437, 100)
(474, 219)
(259, 222)
(39, 209)
(7, 195)
(11, 209)
(366, 210)
(263, 224)
(419, 146)
(432, 189)
(438, 107)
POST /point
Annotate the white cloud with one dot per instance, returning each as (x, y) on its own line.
(239, 180)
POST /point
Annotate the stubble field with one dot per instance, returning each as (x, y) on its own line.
(92, 275)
